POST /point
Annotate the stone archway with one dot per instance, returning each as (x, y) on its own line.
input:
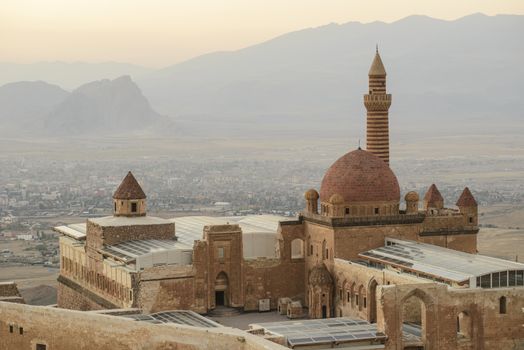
(416, 309)
(222, 290)
(372, 297)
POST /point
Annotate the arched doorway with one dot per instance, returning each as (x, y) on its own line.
(372, 301)
(221, 290)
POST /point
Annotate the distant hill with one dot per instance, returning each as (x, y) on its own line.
(24, 104)
(100, 108)
(461, 76)
(67, 75)
(104, 107)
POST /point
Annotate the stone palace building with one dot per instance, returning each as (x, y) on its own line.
(407, 265)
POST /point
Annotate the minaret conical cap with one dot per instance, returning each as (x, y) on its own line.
(433, 195)
(129, 189)
(377, 67)
(466, 199)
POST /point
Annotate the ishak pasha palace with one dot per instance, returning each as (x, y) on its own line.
(359, 268)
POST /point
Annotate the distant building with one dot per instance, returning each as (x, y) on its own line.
(410, 271)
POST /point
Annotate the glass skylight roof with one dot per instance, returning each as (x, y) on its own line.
(324, 331)
(184, 317)
(437, 261)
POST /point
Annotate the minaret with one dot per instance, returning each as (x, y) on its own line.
(377, 103)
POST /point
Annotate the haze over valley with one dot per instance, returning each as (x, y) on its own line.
(248, 131)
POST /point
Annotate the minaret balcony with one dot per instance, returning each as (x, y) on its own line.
(380, 102)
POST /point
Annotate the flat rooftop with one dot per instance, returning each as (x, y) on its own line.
(323, 331)
(439, 262)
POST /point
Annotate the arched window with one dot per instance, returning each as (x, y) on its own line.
(360, 297)
(502, 305)
(297, 248)
(463, 325)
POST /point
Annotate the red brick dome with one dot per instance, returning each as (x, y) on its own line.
(360, 176)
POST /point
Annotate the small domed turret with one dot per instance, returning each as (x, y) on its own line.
(311, 197)
(412, 199)
(311, 194)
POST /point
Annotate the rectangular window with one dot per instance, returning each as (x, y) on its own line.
(348, 296)
(495, 280)
(133, 207)
(365, 302)
(347, 211)
(520, 278)
(485, 281)
(512, 280)
(356, 299)
(376, 211)
(41, 347)
(504, 279)
(220, 252)
(11, 328)
(21, 330)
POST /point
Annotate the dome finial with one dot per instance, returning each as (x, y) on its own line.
(376, 48)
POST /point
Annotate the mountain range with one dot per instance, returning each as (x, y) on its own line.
(453, 77)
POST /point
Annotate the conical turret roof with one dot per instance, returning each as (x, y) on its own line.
(466, 199)
(129, 189)
(377, 67)
(433, 195)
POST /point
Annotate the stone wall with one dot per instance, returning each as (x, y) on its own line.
(167, 288)
(76, 298)
(272, 279)
(60, 329)
(354, 282)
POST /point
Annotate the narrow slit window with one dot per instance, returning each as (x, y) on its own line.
(502, 305)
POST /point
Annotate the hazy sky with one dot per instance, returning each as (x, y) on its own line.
(157, 33)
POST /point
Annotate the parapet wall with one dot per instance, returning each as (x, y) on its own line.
(60, 329)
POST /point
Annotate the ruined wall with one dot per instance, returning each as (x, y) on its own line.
(488, 328)
(9, 292)
(60, 329)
